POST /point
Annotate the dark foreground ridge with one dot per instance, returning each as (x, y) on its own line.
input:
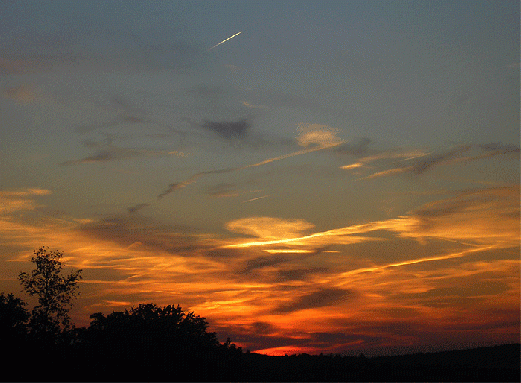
(136, 355)
(153, 343)
(484, 364)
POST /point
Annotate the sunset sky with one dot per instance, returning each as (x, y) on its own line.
(340, 176)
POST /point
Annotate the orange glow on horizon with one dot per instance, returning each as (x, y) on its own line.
(446, 287)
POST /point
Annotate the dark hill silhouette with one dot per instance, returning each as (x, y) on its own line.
(152, 343)
(484, 364)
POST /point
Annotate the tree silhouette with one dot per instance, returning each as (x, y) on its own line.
(13, 336)
(165, 342)
(54, 291)
(13, 318)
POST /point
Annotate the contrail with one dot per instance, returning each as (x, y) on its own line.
(195, 177)
(229, 38)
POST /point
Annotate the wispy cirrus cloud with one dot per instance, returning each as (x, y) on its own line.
(144, 232)
(20, 200)
(423, 164)
(385, 173)
(312, 137)
(419, 162)
(492, 211)
(488, 215)
(106, 151)
(24, 192)
(223, 190)
(179, 185)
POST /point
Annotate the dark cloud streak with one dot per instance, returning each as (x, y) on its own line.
(136, 208)
(359, 148)
(261, 262)
(462, 153)
(179, 185)
(320, 298)
(423, 165)
(135, 229)
(229, 129)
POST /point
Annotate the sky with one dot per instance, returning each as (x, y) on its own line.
(332, 176)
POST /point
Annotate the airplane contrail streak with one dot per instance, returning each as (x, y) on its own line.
(229, 38)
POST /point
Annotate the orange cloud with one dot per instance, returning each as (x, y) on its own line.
(364, 281)
(413, 293)
(335, 236)
(288, 251)
(19, 200)
(352, 166)
(388, 172)
(493, 212)
(315, 134)
(485, 216)
(268, 227)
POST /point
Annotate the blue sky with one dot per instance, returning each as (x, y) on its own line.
(335, 159)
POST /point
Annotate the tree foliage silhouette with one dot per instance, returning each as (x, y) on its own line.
(164, 340)
(152, 321)
(55, 292)
(13, 318)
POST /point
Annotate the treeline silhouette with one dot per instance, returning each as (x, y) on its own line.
(165, 343)
(153, 343)
(144, 343)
